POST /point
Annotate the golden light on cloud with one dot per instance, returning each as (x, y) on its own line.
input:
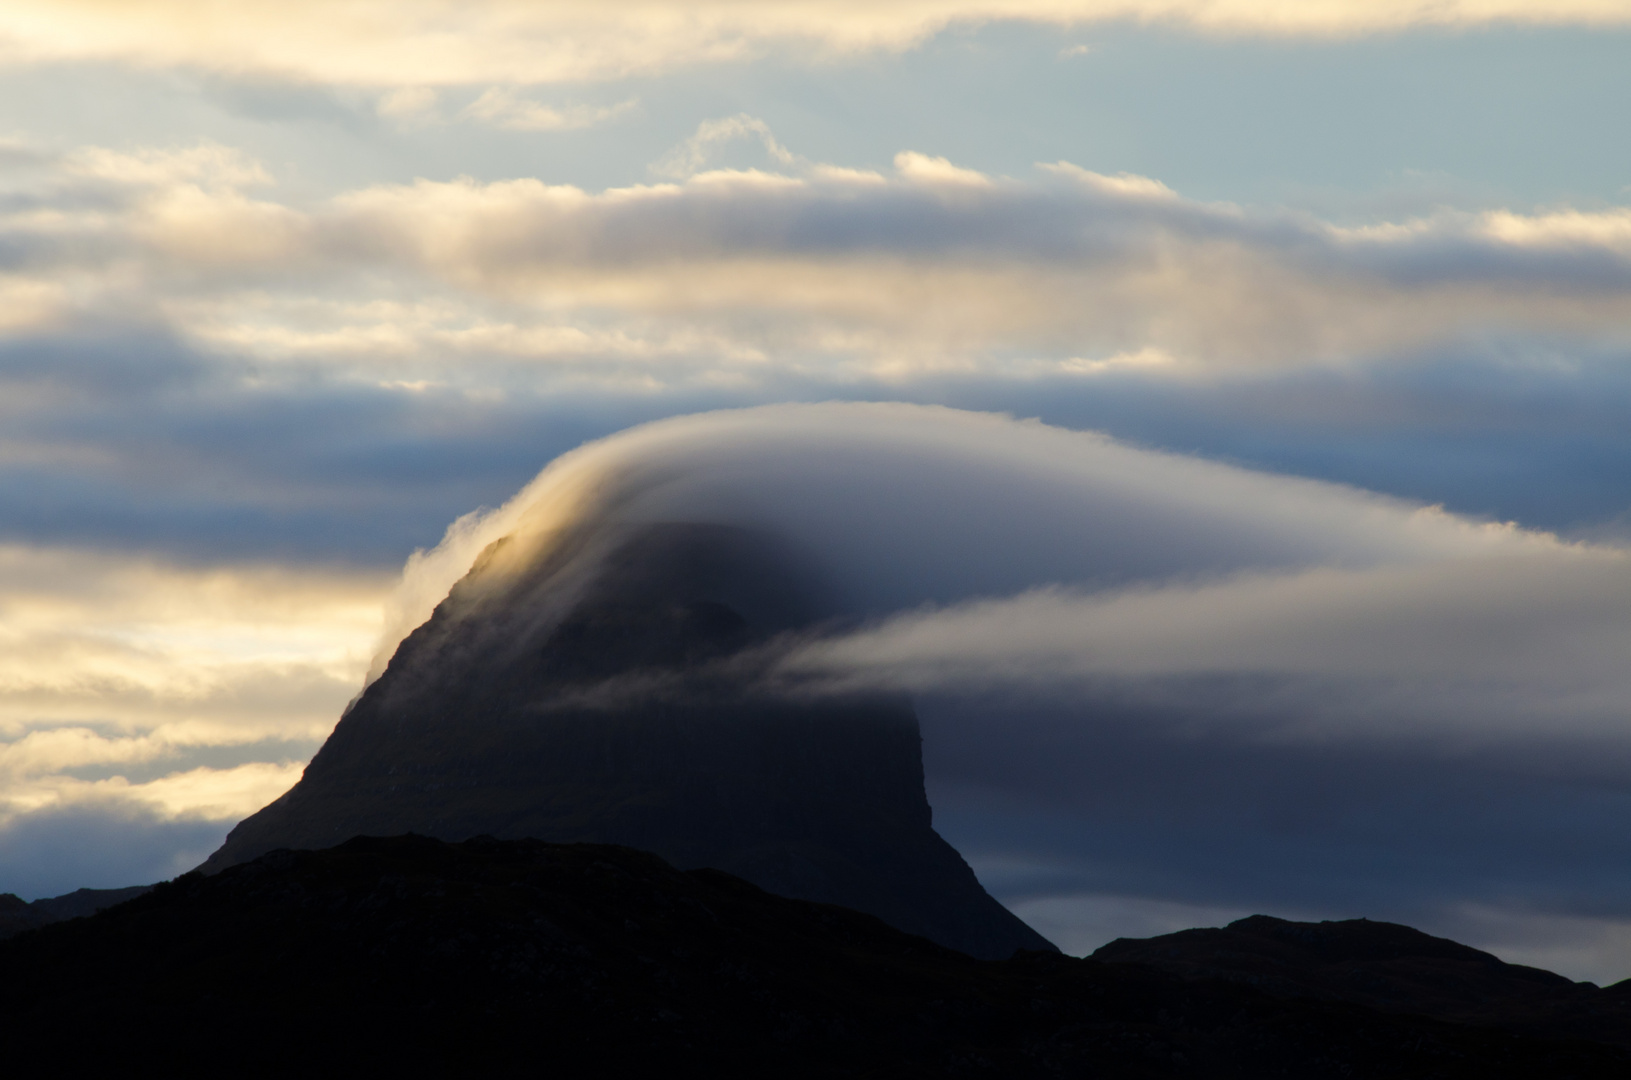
(388, 43)
(749, 274)
(212, 794)
(113, 663)
(218, 793)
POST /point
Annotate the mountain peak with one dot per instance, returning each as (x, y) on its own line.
(594, 700)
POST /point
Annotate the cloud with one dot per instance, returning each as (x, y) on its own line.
(943, 266)
(1061, 556)
(826, 272)
(688, 158)
(110, 637)
(931, 171)
(100, 844)
(111, 833)
(500, 107)
(271, 340)
(152, 696)
(408, 102)
(1146, 675)
(1490, 640)
(206, 163)
(436, 42)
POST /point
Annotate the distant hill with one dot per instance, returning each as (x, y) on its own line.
(1387, 967)
(17, 914)
(484, 958)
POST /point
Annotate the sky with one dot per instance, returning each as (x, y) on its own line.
(287, 289)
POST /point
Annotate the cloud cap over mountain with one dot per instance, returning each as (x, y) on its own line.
(1148, 675)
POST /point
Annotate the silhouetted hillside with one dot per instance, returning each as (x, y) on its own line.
(1389, 967)
(499, 958)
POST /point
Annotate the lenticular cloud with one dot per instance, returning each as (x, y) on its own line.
(967, 548)
(1143, 674)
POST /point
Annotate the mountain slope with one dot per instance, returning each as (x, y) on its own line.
(604, 691)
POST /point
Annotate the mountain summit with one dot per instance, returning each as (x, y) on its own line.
(602, 691)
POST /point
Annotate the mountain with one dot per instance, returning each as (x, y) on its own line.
(605, 690)
(1387, 967)
(496, 958)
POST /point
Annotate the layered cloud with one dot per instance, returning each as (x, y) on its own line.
(432, 42)
(152, 693)
(747, 276)
(1484, 645)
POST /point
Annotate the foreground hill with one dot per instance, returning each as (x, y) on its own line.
(1388, 967)
(498, 957)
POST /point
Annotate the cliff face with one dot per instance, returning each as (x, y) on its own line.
(605, 700)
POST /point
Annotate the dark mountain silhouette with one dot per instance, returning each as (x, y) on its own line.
(414, 956)
(17, 914)
(605, 692)
(1387, 967)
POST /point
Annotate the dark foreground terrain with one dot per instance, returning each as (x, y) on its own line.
(416, 956)
(1388, 967)
(17, 915)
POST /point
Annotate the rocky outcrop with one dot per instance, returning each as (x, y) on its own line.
(606, 692)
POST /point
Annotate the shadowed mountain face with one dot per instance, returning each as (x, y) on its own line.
(601, 695)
